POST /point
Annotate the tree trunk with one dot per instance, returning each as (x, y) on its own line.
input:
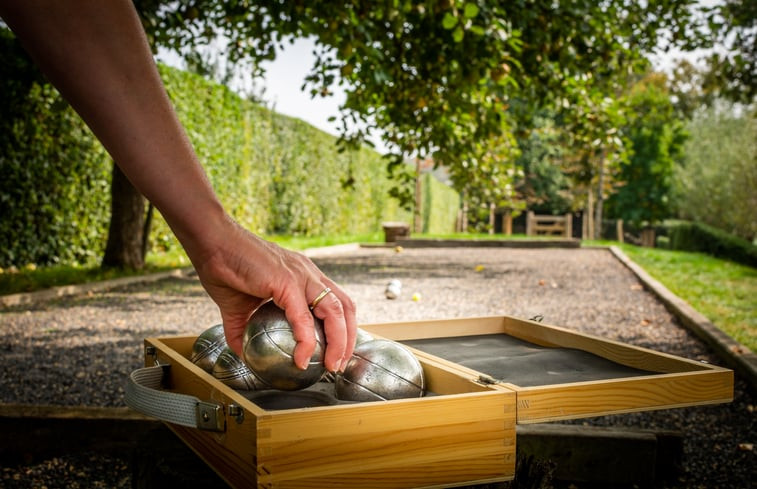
(491, 218)
(600, 199)
(590, 214)
(464, 216)
(124, 248)
(417, 224)
(146, 230)
(507, 223)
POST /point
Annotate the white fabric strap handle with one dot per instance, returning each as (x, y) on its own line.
(143, 394)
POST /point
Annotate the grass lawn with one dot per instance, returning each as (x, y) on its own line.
(725, 292)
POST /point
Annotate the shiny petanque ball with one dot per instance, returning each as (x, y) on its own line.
(362, 337)
(380, 370)
(208, 346)
(268, 349)
(232, 371)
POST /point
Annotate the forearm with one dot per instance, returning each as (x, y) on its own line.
(95, 52)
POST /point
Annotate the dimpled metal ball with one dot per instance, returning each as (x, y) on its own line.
(268, 348)
(231, 370)
(208, 346)
(380, 370)
(362, 337)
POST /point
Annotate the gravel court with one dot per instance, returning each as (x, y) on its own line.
(78, 351)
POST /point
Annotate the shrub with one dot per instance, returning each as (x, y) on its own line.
(54, 174)
(693, 236)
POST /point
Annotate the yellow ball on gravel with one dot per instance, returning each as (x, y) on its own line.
(416, 297)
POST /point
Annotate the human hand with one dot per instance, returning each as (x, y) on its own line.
(240, 271)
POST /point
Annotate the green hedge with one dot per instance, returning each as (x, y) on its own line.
(274, 174)
(54, 175)
(440, 206)
(693, 236)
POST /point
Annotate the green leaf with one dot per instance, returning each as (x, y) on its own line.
(449, 21)
(458, 34)
(477, 30)
(470, 11)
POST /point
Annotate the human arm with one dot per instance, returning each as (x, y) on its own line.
(97, 55)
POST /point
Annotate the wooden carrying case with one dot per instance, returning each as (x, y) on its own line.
(462, 433)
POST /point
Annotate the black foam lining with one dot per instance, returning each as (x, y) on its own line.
(512, 360)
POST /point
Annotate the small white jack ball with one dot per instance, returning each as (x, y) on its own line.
(393, 289)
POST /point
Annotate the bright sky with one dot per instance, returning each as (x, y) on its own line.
(283, 82)
(282, 87)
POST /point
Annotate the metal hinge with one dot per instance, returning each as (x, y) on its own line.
(486, 380)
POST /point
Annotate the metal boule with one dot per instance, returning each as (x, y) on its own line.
(268, 350)
(380, 370)
(207, 347)
(232, 371)
(362, 337)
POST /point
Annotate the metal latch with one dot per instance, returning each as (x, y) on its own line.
(210, 416)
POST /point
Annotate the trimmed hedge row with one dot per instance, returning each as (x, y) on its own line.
(440, 205)
(279, 175)
(694, 236)
(274, 174)
(54, 175)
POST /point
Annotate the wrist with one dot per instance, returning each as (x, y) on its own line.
(200, 225)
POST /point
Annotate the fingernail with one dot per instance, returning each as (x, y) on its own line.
(303, 365)
(338, 367)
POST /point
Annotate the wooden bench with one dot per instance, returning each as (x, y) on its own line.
(549, 225)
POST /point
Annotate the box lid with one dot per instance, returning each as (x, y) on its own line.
(561, 374)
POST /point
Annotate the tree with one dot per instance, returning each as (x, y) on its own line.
(591, 121)
(543, 185)
(434, 77)
(716, 180)
(733, 70)
(656, 138)
(488, 181)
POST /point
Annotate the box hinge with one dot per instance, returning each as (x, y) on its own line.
(210, 416)
(486, 380)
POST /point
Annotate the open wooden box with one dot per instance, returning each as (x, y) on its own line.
(463, 433)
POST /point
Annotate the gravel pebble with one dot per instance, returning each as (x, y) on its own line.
(78, 351)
